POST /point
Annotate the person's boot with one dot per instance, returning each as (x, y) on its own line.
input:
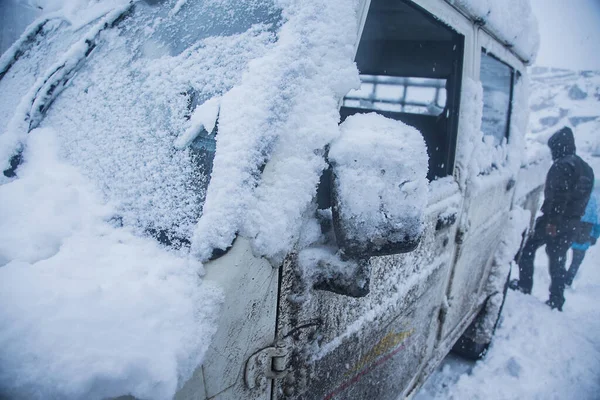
(569, 282)
(514, 285)
(553, 305)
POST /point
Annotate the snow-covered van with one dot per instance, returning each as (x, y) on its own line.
(258, 199)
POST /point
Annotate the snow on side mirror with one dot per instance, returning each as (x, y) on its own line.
(379, 186)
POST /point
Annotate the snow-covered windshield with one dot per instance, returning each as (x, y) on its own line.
(179, 26)
(120, 118)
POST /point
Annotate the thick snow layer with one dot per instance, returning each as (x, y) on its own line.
(381, 199)
(512, 21)
(470, 118)
(22, 75)
(119, 120)
(88, 310)
(537, 353)
(285, 110)
(28, 36)
(107, 311)
(50, 84)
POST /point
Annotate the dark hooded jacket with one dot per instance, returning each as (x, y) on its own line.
(569, 181)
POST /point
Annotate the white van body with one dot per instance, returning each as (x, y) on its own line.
(280, 333)
(383, 345)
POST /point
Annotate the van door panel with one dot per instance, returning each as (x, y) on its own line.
(488, 196)
(370, 347)
(484, 214)
(246, 322)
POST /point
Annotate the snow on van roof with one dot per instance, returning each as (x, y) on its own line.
(511, 21)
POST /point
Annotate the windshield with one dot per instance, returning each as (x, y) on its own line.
(179, 25)
(136, 95)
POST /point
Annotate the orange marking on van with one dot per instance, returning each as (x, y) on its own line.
(365, 365)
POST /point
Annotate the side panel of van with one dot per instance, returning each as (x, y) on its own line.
(372, 347)
(489, 195)
(246, 323)
(477, 246)
(376, 346)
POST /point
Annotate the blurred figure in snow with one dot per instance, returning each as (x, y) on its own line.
(589, 231)
(568, 187)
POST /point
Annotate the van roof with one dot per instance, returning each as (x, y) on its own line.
(511, 22)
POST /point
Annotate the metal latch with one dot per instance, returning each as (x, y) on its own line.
(268, 363)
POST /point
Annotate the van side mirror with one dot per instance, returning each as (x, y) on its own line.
(379, 186)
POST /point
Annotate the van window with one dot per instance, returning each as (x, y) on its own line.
(410, 67)
(497, 81)
(183, 27)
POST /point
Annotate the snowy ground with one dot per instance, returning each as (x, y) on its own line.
(538, 353)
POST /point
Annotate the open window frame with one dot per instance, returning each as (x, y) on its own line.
(403, 41)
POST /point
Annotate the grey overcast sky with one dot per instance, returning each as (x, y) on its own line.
(570, 33)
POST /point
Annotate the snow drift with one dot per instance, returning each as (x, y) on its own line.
(88, 310)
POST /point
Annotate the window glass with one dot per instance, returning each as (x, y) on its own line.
(496, 78)
(178, 27)
(410, 67)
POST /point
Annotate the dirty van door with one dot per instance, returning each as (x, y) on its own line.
(487, 201)
(370, 347)
(374, 346)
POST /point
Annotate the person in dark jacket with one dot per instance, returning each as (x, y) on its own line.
(568, 187)
(589, 232)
